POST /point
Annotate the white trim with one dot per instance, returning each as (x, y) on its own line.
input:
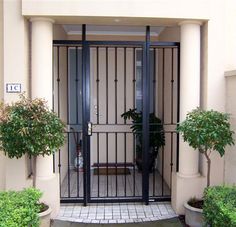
(111, 30)
(111, 33)
(190, 22)
(42, 19)
(230, 73)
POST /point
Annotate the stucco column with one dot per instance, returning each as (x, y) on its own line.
(42, 37)
(189, 90)
(188, 182)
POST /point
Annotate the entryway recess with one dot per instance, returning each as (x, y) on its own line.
(109, 157)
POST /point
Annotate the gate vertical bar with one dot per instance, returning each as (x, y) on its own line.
(58, 107)
(77, 112)
(98, 109)
(154, 111)
(116, 155)
(172, 109)
(163, 119)
(68, 119)
(178, 106)
(86, 114)
(134, 99)
(125, 151)
(145, 120)
(107, 93)
(87, 96)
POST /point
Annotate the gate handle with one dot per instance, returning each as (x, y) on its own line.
(90, 126)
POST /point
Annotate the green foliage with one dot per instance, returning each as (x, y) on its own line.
(207, 130)
(20, 209)
(220, 206)
(29, 127)
(157, 136)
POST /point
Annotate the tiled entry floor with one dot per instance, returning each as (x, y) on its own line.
(112, 185)
(115, 213)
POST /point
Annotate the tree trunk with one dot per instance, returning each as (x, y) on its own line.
(208, 168)
(34, 171)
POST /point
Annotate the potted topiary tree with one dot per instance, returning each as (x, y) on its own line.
(156, 136)
(28, 127)
(206, 131)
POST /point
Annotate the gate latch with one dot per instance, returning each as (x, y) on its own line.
(90, 126)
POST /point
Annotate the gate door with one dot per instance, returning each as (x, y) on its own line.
(115, 88)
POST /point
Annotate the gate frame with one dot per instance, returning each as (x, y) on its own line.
(145, 45)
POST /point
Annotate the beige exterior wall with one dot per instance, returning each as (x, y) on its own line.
(1, 51)
(230, 35)
(230, 77)
(2, 157)
(230, 155)
(198, 9)
(15, 70)
(218, 56)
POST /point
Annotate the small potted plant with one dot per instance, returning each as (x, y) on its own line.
(156, 136)
(206, 131)
(28, 127)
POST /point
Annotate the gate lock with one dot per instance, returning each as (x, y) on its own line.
(90, 126)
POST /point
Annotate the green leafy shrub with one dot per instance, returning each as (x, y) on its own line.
(207, 131)
(157, 135)
(29, 127)
(20, 209)
(219, 207)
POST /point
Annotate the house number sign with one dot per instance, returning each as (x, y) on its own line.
(13, 88)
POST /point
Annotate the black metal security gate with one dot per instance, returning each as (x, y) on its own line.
(95, 82)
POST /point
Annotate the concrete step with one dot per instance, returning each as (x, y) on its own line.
(173, 222)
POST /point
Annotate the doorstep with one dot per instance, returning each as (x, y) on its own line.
(116, 213)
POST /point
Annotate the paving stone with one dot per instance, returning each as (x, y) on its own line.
(121, 213)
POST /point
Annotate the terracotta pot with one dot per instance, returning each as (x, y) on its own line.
(45, 218)
(193, 216)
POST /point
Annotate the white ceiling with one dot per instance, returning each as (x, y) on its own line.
(111, 30)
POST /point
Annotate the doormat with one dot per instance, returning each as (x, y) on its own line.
(111, 171)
